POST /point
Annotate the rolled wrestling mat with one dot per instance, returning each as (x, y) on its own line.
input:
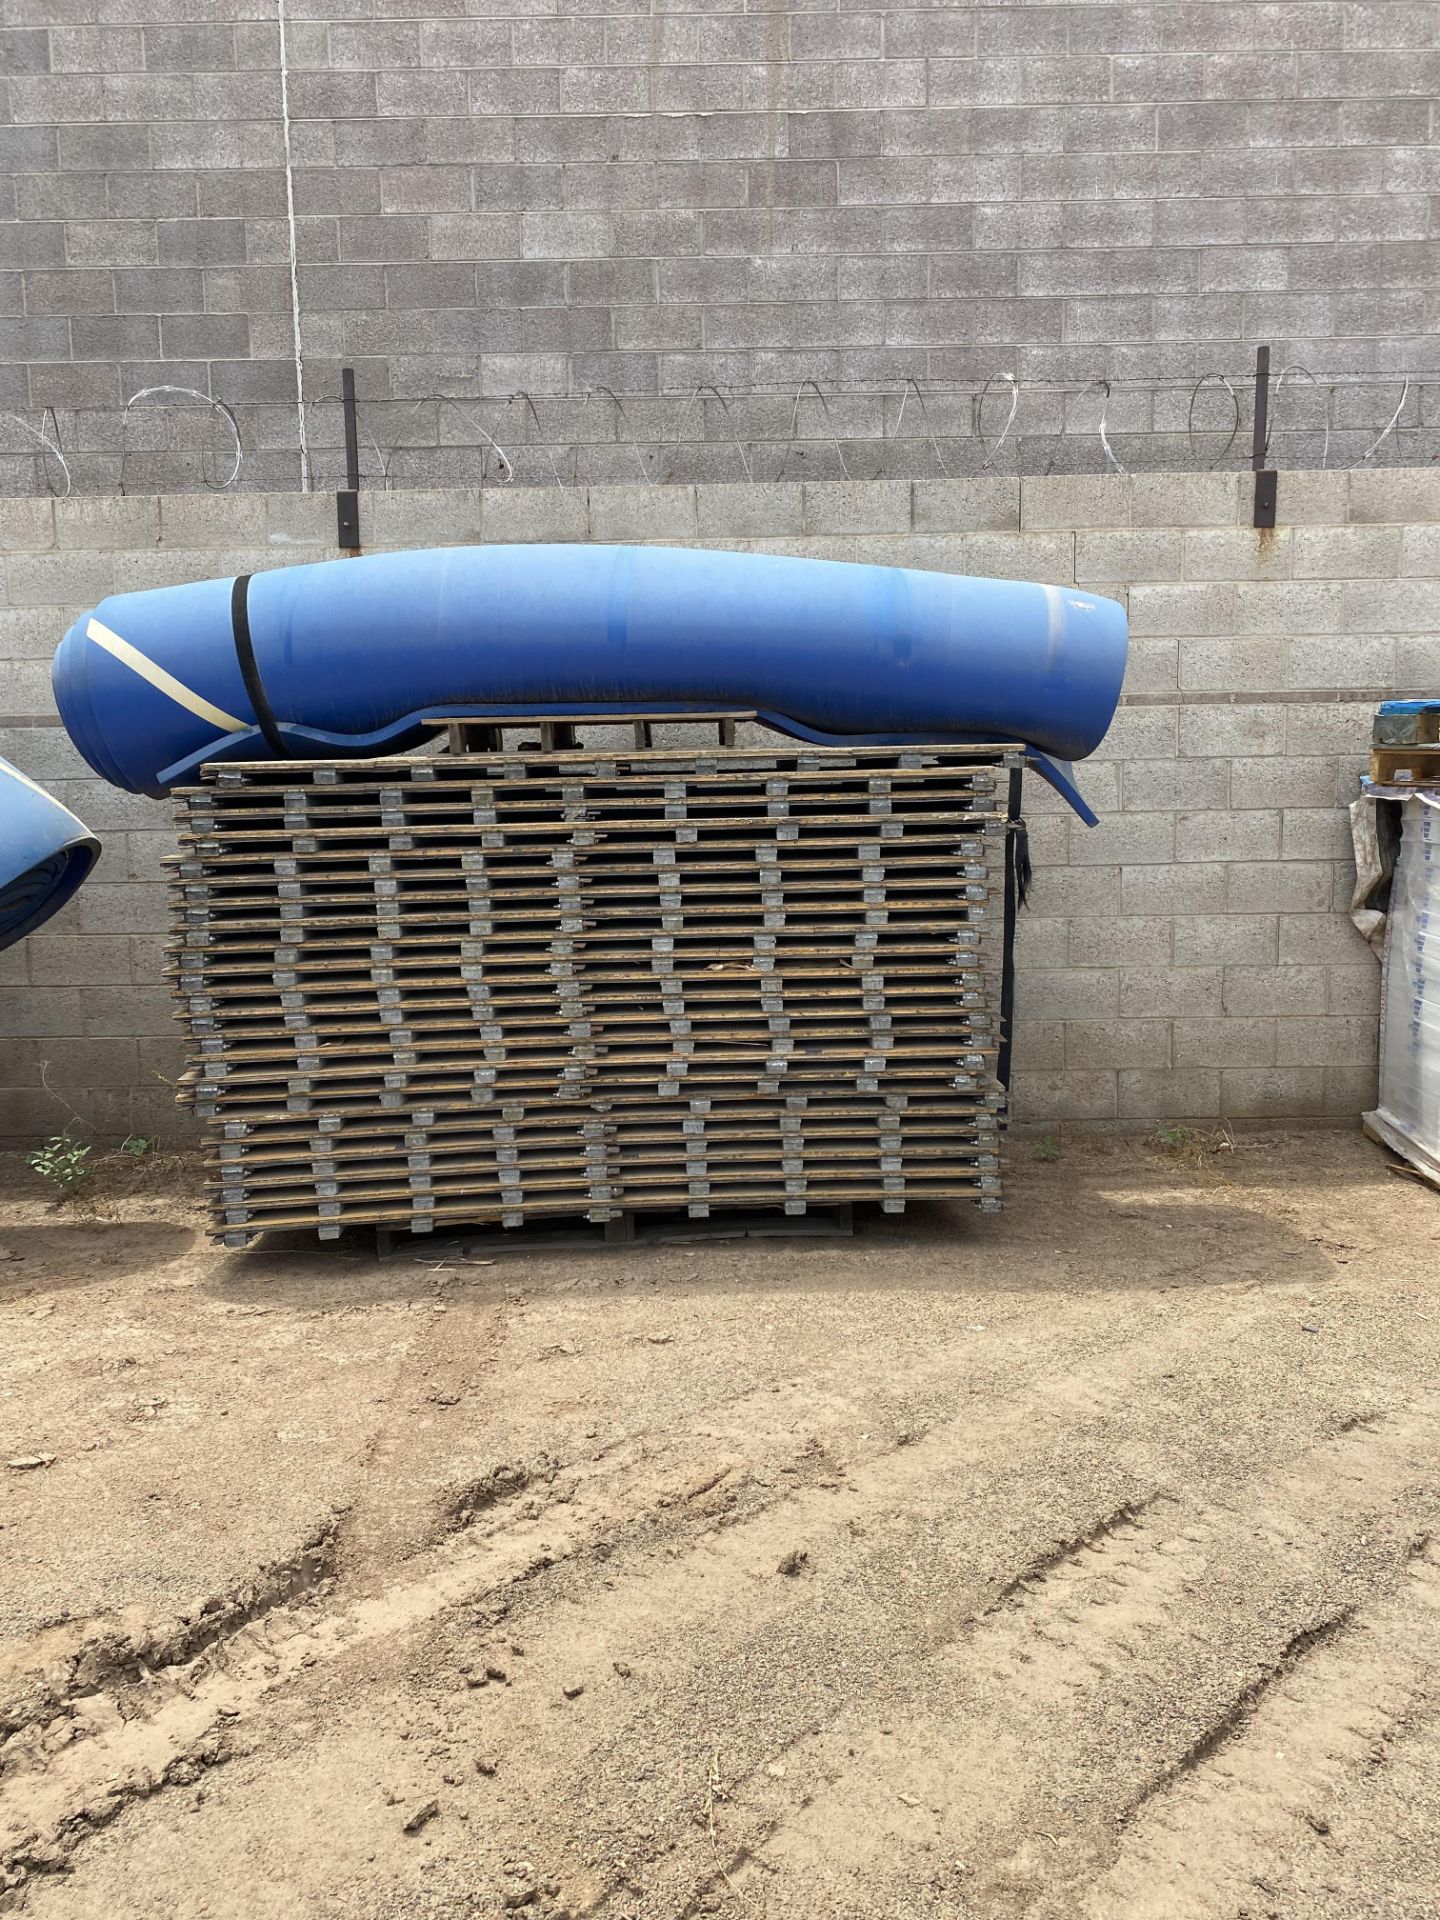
(45, 853)
(354, 658)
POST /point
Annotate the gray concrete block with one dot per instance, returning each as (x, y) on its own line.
(1226, 1042)
(535, 513)
(1234, 666)
(1045, 557)
(1184, 609)
(1278, 990)
(566, 235)
(25, 686)
(385, 239)
(847, 507)
(1238, 553)
(26, 524)
(622, 513)
(1126, 556)
(1136, 839)
(115, 907)
(1122, 1043)
(1395, 494)
(1390, 606)
(77, 960)
(1283, 781)
(1066, 501)
(1159, 992)
(1352, 990)
(24, 50)
(1326, 1041)
(1172, 784)
(1227, 836)
(204, 336)
(1351, 1091)
(1420, 552)
(1290, 1093)
(1184, 500)
(748, 511)
(396, 520)
(1417, 664)
(1152, 666)
(1174, 889)
(1316, 833)
(301, 520)
(1354, 660)
(1040, 1097)
(1283, 886)
(1340, 727)
(1076, 993)
(199, 243)
(1289, 607)
(1174, 1094)
(1323, 940)
(93, 525)
(1063, 892)
(989, 505)
(1039, 1044)
(1214, 940)
(1111, 940)
(200, 520)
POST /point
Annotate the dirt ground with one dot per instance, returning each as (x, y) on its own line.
(1080, 1562)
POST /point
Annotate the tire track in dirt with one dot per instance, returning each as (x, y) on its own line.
(1026, 1743)
(1263, 1802)
(912, 1488)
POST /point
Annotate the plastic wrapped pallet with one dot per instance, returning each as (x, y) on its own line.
(1408, 1115)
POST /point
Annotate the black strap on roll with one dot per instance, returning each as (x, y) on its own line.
(250, 672)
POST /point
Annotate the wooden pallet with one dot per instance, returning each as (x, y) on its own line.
(514, 983)
(1405, 766)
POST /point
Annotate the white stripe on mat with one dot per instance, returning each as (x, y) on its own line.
(166, 682)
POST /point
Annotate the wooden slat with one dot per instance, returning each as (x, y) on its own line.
(501, 984)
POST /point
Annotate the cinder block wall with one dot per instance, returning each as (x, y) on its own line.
(1190, 958)
(571, 195)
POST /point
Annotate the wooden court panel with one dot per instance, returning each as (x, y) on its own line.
(494, 985)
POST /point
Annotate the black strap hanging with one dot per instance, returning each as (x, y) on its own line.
(250, 672)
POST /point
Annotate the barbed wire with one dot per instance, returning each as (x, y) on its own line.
(55, 450)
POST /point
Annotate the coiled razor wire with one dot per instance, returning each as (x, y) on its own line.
(185, 396)
(56, 471)
(1386, 431)
(1195, 393)
(49, 448)
(619, 406)
(534, 413)
(816, 389)
(913, 386)
(1298, 372)
(442, 400)
(706, 387)
(334, 400)
(992, 452)
(1103, 386)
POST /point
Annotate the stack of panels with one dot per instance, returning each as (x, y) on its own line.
(499, 985)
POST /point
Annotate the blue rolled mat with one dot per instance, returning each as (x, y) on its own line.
(352, 658)
(45, 852)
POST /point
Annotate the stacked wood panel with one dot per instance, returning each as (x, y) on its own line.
(491, 986)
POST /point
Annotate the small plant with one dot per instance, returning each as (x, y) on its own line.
(136, 1145)
(1195, 1147)
(1048, 1149)
(64, 1162)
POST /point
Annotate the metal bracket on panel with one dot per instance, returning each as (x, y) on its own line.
(1267, 493)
